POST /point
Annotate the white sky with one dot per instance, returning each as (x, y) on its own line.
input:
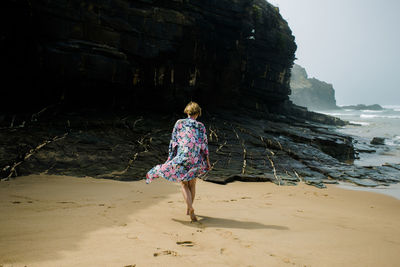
(351, 44)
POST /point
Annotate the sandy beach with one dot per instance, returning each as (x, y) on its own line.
(69, 221)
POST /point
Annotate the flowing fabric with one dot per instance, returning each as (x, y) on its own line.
(187, 153)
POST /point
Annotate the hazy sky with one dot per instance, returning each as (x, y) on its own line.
(352, 44)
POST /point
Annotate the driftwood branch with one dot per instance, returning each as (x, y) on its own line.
(244, 150)
(13, 168)
(213, 133)
(274, 170)
(297, 175)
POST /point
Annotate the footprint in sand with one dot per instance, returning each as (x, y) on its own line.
(185, 243)
(288, 261)
(245, 197)
(225, 234)
(130, 236)
(165, 252)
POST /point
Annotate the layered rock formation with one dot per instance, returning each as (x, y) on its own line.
(246, 146)
(310, 92)
(146, 53)
(94, 86)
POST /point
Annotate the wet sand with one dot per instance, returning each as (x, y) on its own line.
(69, 221)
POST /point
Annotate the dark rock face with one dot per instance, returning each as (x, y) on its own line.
(378, 141)
(150, 54)
(310, 92)
(94, 86)
(243, 145)
(364, 107)
(123, 146)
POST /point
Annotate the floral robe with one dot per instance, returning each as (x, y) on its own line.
(188, 150)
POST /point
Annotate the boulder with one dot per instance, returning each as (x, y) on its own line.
(378, 141)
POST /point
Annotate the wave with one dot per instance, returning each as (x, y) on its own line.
(339, 114)
(334, 114)
(391, 117)
(372, 116)
(369, 116)
(393, 142)
(392, 107)
(362, 123)
(372, 111)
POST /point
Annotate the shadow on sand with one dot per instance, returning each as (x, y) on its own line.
(206, 221)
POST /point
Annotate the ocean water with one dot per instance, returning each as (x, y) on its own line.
(373, 123)
(392, 190)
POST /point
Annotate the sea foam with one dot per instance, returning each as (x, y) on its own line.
(372, 111)
(371, 116)
(362, 123)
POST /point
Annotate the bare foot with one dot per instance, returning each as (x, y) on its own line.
(187, 211)
(192, 215)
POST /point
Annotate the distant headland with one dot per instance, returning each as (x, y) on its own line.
(363, 107)
(317, 95)
(311, 92)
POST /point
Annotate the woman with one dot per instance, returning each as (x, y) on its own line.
(188, 156)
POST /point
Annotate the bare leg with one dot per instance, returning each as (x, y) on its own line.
(187, 195)
(192, 189)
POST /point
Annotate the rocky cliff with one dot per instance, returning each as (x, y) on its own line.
(310, 92)
(94, 88)
(145, 53)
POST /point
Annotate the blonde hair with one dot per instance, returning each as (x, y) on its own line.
(192, 109)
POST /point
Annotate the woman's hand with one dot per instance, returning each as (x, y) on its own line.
(208, 163)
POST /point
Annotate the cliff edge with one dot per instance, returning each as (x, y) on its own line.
(94, 88)
(150, 54)
(310, 92)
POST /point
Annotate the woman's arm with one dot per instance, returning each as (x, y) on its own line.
(205, 147)
(174, 142)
